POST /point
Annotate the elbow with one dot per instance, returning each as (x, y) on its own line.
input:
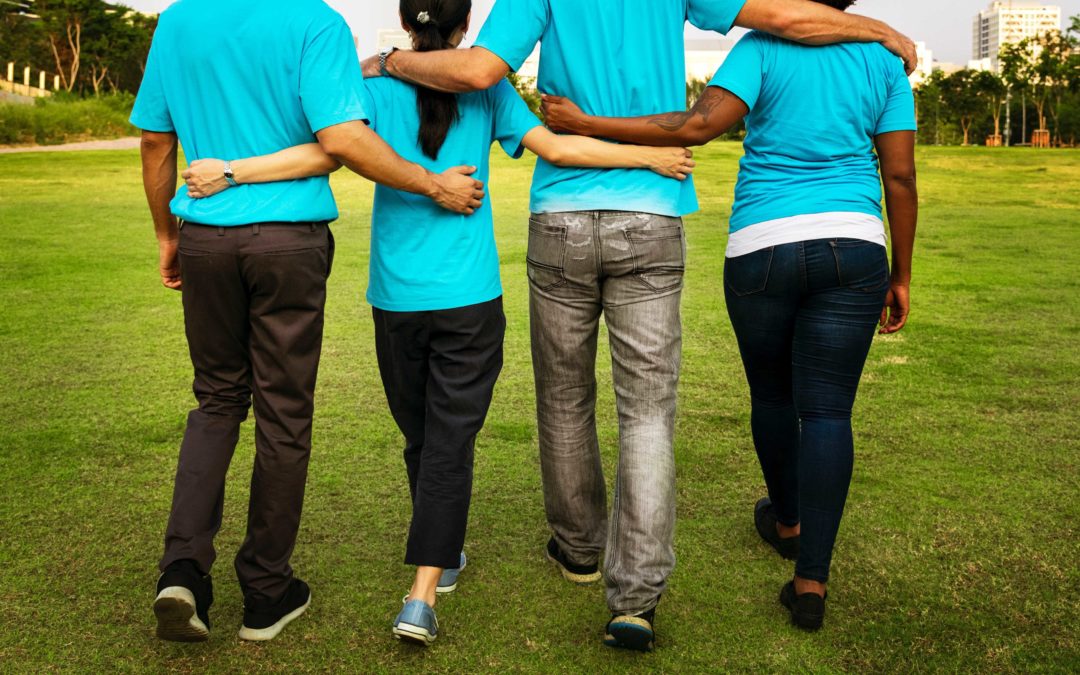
(154, 141)
(336, 148)
(558, 157)
(904, 179)
(479, 80)
(698, 136)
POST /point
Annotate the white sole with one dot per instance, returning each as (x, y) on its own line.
(414, 634)
(443, 590)
(579, 579)
(176, 617)
(271, 632)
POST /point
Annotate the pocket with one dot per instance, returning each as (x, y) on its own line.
(861, 265)
(749, 274)
(659, 257)
(545, 259)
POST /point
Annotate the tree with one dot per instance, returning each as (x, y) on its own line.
(961, 98)
(993, 91)
(526, 88)
(928, 108)
(1056, 67)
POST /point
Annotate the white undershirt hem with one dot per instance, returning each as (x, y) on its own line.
(833, 225)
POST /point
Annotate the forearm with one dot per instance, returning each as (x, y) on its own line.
(902, 204)
(354, 145)
(301, 161)
(810, 22)
(670, 129)
(451, 70)
(159, 155)
(591, 153)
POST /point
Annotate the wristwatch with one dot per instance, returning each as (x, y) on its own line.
(383, 55)
(229, 176)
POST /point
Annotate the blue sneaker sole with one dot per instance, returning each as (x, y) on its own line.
(630, 635)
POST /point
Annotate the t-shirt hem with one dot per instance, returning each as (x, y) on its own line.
(889, 128)
(630, 206)
(734, 88)
(353, 115)
(435, 305)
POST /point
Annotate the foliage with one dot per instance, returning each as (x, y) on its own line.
(62, 120)
(526, 87)
(992, 90)
(960, 95)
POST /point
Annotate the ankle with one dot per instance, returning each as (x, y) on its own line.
(804, 586)
(787, 532)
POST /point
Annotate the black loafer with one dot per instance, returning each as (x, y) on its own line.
(264, 621)
(807, 610)
(765, 520)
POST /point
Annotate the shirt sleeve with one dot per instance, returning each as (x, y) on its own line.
(511, 118)
(330, 77)
(513, 28)
(714, 15)
(899, 112)
(743, 70)
(151, 111)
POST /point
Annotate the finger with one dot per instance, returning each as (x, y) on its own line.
(464, 170)
(884, 320)
(468, 212)
(478, 185)
(689, 152)
(475, 204)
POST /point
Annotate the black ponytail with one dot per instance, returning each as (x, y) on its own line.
(433, 23)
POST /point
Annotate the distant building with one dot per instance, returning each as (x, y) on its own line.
(704, 57)
(393, 37)
(926, 64)
(1008, 22)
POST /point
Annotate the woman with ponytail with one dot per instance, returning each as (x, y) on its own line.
(434, 280)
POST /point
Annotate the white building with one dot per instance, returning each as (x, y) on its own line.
(1007, 22)
(926, 64)
(703, 58)
(393, 37)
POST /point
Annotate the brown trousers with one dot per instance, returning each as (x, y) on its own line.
(253, 311)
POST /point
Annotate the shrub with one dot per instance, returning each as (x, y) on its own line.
(52, 121)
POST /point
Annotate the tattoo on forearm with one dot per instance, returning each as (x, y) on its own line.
(710, 100)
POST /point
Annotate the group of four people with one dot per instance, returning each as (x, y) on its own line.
(267, 98)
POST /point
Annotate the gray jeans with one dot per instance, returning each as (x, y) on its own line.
(629, 267)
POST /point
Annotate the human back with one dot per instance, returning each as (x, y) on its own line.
(257, 76)
(814, 115)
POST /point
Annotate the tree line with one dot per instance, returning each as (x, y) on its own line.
(92, 45)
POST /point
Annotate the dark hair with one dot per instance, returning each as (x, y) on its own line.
(433, 22)
(838, 4)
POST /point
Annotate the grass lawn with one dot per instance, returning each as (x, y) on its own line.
(959, 550)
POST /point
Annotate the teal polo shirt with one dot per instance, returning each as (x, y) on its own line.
(245, 78)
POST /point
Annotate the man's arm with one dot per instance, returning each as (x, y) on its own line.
(159, 153)
(356, 146)
(452, 70)
(896, 151)
(813, 23)
(713, 115)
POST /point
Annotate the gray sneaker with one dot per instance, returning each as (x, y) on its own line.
(449, 579)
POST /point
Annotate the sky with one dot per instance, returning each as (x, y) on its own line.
(945, 25)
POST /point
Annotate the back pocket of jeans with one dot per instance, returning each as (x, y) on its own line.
(545, 259)
(659, 257)
(749, 274)
(861, 265)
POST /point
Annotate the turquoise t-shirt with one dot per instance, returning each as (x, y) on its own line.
(614, 58)
(246, 78)
(814, 113)
(424, 257)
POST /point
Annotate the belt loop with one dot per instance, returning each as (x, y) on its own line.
(313, 227)
(221, 232)
(255, 229)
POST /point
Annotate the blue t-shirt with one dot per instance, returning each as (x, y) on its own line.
(614, 58)
(246, 78)
(424, 257)
(814, 113)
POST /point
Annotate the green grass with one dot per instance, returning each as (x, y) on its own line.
(66, 120)
(958, 551)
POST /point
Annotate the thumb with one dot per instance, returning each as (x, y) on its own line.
(464, 170)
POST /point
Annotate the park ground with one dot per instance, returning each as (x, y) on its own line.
(958, 551)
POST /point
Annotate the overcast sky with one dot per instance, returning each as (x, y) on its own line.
(945, 25)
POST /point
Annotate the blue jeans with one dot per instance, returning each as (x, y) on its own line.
(805, 315)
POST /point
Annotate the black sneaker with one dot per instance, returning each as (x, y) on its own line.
(263, 621)
(579, 574)
(182, 607)
(631, 631)
(765, 519)
(807, 610)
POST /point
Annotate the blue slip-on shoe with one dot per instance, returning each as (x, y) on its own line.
(416, 623)
(448, 580)
(632, 632)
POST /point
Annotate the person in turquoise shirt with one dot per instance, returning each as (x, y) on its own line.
(610, 243)
(435, 286)
(807, 274)
(231, 79)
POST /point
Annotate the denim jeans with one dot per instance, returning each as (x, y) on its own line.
(628, 267)
(805, 315)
